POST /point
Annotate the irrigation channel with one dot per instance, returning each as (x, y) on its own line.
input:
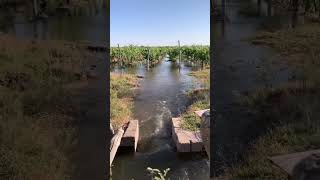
(90, 157)
(161, 96)
(238, 69)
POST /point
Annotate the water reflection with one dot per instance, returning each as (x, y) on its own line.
(90, 26)
(270, 18)
(237, 63)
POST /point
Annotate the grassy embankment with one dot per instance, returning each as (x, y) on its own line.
(121, 94)
(291, 112)
(200, 99)
(36, 132)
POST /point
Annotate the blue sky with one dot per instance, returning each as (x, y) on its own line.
(159, 22)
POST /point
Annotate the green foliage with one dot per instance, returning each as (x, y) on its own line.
(127, 55)
(173, 53)
(131, 55)
(156, 174)
(197, 54)
(194, 53)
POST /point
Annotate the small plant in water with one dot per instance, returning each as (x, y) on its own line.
(156, 174)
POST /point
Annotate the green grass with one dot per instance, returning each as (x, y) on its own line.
(298, 46)
(290, 114)
(203, 76)
(200, 99)
(292, 137)
(121, 93)
(286, 139)
(36, 132)
(190, 121)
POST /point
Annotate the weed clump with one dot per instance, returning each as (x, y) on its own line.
(200, 99)
(121, 94)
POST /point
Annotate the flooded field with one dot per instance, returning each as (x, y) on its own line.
(161, 96)
(241, 67)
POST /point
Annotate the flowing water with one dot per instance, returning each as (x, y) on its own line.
(240, 67)
(161, 96)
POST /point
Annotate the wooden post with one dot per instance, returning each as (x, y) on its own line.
(35, 8)
(120, 59)
(192, 62)
(179, 54)
(269, 7)
(119, 54)
(148, 63)
(223, 13)
(259, 6)
(212, 6)
(295, 6)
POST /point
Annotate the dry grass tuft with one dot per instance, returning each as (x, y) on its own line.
(36, 132)
(121, 93)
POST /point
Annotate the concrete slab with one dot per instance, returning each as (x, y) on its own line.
(200, 112)
(288, 162)
(131, 135)
(186, 141)
(205, 130)
(175, 123)
(115, 143)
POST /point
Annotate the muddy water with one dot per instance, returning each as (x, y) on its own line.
(239, 67)
(161, 97)
(90, 27)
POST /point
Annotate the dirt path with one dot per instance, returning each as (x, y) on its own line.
(238, 65)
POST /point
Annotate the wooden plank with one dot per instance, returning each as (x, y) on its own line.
(287, 162)
(115, 143)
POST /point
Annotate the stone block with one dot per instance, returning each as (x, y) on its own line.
(200, 112)
(131, 135)
(185, 140)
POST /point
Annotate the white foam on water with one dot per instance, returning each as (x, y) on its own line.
(163, 147)
(145, 120)
(160, 118)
